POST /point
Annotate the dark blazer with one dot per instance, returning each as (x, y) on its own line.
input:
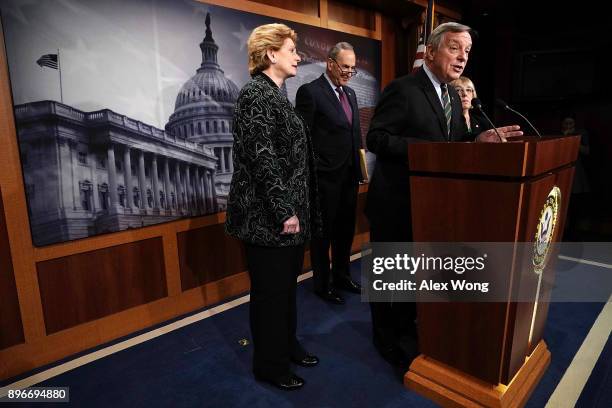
(408, 111)
(335, 141)
(478, 123)
(274, 173)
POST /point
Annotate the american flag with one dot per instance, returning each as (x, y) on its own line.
(424, 32)
(420, 52)
(48, 60)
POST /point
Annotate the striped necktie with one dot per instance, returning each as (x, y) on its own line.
(448, 112)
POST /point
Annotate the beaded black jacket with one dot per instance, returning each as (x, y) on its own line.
(274, 174)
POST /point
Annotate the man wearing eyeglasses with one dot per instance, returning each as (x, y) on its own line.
(329, 108)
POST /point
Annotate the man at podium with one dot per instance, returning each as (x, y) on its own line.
(419, 107)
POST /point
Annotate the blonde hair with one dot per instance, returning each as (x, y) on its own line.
(263, 38)
(463, 80)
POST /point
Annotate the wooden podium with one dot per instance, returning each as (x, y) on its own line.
(486, 354)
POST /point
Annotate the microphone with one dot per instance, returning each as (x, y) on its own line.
(504, 105)
(478, 105)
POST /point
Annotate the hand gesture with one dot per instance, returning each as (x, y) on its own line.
(505, 132)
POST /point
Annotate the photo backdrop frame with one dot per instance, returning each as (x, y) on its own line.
(159, 107)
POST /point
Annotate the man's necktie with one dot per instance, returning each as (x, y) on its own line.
(448, 111)
(345, 105)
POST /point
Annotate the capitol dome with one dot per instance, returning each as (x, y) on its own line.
(203, 112)
(204, 105)
(207, 86)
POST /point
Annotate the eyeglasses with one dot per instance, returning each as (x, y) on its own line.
(350, 72)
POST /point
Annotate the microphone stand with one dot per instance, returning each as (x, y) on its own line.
(478, 105)
(507, 107)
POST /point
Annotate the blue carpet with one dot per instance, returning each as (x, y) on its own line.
(566, 327)
(203, 365)
(597, 392)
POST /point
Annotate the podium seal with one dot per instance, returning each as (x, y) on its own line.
(546, 229)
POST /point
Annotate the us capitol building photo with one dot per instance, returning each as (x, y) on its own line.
(159, 175)
(88, 173)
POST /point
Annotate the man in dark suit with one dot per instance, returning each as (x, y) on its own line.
(415, 108)
(329, 108)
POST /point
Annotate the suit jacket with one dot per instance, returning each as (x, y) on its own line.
(335, 141)
(274, 174)
(478, 123)
(409, 111)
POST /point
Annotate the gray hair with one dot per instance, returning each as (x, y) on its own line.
(435, 38)
(335, 50)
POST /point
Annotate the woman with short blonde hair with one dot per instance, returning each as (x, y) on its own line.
(272, 205)
(467, 91)
(264, 38)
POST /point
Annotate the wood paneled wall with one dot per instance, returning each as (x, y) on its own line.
(65, 298)
(61, 299)
(83, 287)
(199, 263)
(308, 7)
(11, 330)
(347, 14)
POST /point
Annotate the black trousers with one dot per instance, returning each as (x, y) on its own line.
(273, 316)
(393, 323)
(338, 198)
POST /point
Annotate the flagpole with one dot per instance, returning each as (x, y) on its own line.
(429, 19)
(59, 68)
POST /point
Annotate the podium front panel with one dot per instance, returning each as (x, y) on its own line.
(486, 340)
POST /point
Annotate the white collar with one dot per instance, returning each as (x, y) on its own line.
(434, 80)
(332, 84)
(436, 83)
